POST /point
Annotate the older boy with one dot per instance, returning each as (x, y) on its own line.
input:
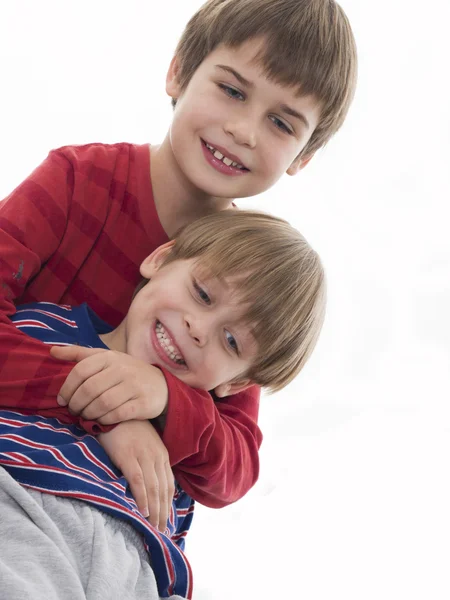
(259, 86)
(236, 299)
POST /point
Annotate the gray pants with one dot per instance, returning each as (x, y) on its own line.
(54, 548)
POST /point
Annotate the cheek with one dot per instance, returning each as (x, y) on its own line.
(184, 130)
(275, 160)
(139, 317)
(282, 156)
(273, 149)
(195, 108)
(221, 368)
(165, 293)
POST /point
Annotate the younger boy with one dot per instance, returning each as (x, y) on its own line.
(258, 87)
(236, 299)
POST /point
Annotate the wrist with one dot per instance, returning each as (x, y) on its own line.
(164, 396)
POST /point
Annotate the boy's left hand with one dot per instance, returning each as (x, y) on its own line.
(109, 386)
(137, 450)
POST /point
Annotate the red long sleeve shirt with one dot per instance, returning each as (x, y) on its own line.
(76, 230)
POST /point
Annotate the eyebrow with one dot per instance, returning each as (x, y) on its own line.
(290, 111)
(284, 107)
(238, 76)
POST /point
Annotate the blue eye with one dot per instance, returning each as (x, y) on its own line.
(202, 294)
(231, 342)
(231, 92)
(281, 125)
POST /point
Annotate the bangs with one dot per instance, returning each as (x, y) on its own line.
(277, 277)
(306, 44)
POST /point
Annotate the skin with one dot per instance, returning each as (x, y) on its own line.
(248, 121)
(203, 317)
(205, 321)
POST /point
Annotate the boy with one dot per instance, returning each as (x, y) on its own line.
(236, 299)
(258, 87)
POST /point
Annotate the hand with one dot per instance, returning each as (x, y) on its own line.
(110, 386)
(137, 450)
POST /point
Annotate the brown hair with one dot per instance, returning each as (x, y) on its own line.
(308, 43)
(281, 280)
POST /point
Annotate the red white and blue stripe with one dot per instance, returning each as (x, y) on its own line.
(56, 458)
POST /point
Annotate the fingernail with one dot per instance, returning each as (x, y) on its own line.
(145, 512)
(60, 400)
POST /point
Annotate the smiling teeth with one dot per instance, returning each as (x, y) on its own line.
(164, 342)
(223, 158)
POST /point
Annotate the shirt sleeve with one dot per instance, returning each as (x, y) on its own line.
(33, 220)
(213, 443)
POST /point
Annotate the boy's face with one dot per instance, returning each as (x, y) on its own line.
(231, 113)
(190, 324)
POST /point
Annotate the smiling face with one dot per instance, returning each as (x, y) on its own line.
(188, 323)
(235, 132)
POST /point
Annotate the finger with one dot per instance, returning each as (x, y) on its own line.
(170, 487)
(152, 486)
(136, 481)
(106, 392)
(83, 371)
(74, 353)
(93, 392)
(164, 507)
(129, 409)
(123, 413)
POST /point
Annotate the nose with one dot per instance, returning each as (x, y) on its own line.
(242, 129)
(197, 330)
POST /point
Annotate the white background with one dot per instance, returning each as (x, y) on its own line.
(353, 499)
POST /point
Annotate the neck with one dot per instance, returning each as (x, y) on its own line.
(116, 339)
(177, 201)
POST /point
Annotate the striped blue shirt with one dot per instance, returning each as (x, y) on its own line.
(56, 458)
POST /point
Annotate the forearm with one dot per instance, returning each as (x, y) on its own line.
(33, 222)
(213, 446)
(30, 378)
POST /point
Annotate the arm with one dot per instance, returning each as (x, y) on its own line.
(213, 445)
(30, 379)
(33, 220)
(137, 450)
(216, 456)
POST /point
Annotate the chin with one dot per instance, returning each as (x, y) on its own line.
(221, 189)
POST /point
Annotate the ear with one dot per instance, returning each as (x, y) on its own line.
(155, 260)
(299, 164)
(173, 88)
(232, 387)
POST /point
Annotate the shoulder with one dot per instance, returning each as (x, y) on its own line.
(46, 309)
(48, 322)
(109, 157)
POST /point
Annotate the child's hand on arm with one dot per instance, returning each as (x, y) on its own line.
(137, 450)
(110, 386)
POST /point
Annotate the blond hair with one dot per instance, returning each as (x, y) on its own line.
(281, 282)
(309, 44)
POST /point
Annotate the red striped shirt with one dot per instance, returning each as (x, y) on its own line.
(76, 230)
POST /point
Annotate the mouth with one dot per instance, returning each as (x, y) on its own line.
(168, 347)
(229, 161)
